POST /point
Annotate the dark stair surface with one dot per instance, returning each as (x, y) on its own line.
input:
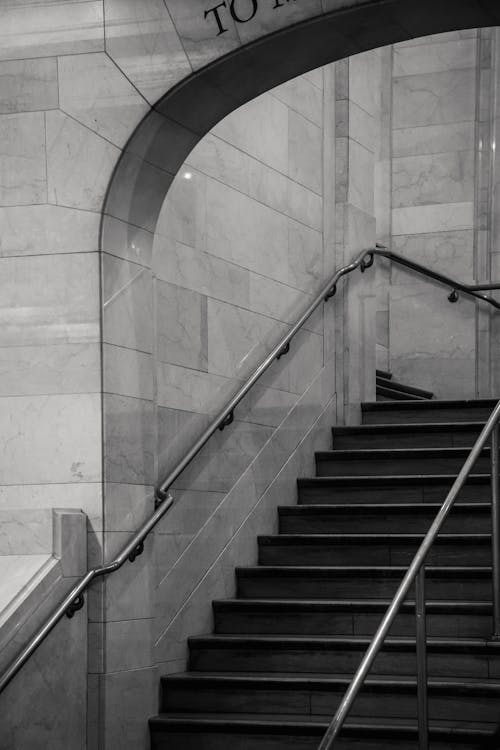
(284, 650)
(388, 389)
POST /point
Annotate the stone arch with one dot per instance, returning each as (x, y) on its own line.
(162, 141)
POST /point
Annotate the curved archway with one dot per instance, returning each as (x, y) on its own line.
(164, 138)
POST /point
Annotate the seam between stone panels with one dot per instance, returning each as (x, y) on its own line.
(128, 79)
(181, 41)
(260, 202)
(95, 132)
(278, 171)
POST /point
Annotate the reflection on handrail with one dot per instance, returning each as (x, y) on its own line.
(74, 600)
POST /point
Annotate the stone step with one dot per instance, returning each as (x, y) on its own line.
(185, 731)
(426, 411)
(398, 462)
(446, 658)
(372, 549)
(382, 697)
(417, 435)
(432, 488)
(358, 582)
(384, 383)
(382, 518)
(458, 619)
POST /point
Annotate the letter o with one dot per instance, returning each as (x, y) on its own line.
(237, 18)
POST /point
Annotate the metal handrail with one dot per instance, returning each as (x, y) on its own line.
(74, 600)
(472, 290)
(416, 574)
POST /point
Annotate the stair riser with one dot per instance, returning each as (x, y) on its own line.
(339, 660)
(394, 394)
(223, 741)
(373, 554)
(363, 493)
(370, 704)
(237, 741)
(416, 522)
(423, 415)
(335, 467)
(308, 587)
(407, 439)
(450, 626)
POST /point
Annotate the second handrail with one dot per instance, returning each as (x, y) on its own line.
(411, 576)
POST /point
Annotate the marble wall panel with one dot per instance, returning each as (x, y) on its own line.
(129, 448)
(126, 698)
(79, 163)
(361, 177)
(30, 424)
(445, 252)
(260, 129)
(222, 161)
(28, 85)
(434, 98)
(245, 232)
(435, 57)
(94, 91)
(182, 326)
(128, 372)
(201, 272)
(433, 178)
(142, 40)
(183, 216)
(362, 80)
(81, 495)
(51, 299)
(190, 389)
(305, 258)
(433, 139)
(31, 30)
(127, 304)
(449, 217)
(238, 338)
(23, 176)
(45, 229)
(51, 369)
(303, 96)
(305, 141)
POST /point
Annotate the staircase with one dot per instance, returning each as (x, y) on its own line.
(390, 390)
(283, 652)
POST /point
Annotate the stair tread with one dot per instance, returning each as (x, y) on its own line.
(353, 642)
(348, 538)
(426, 404)
(376, 570)
(391, 478)
(325, 604)
(311, 678)
(413, 426)
(250, 720)
(396, 385)
(377, 453)
(359, 507)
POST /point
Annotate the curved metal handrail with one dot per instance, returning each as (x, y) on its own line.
(74, 600)
(456, 286)
(415, 567)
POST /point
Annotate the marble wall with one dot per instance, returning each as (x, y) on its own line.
(434, 110)
(239, 250)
